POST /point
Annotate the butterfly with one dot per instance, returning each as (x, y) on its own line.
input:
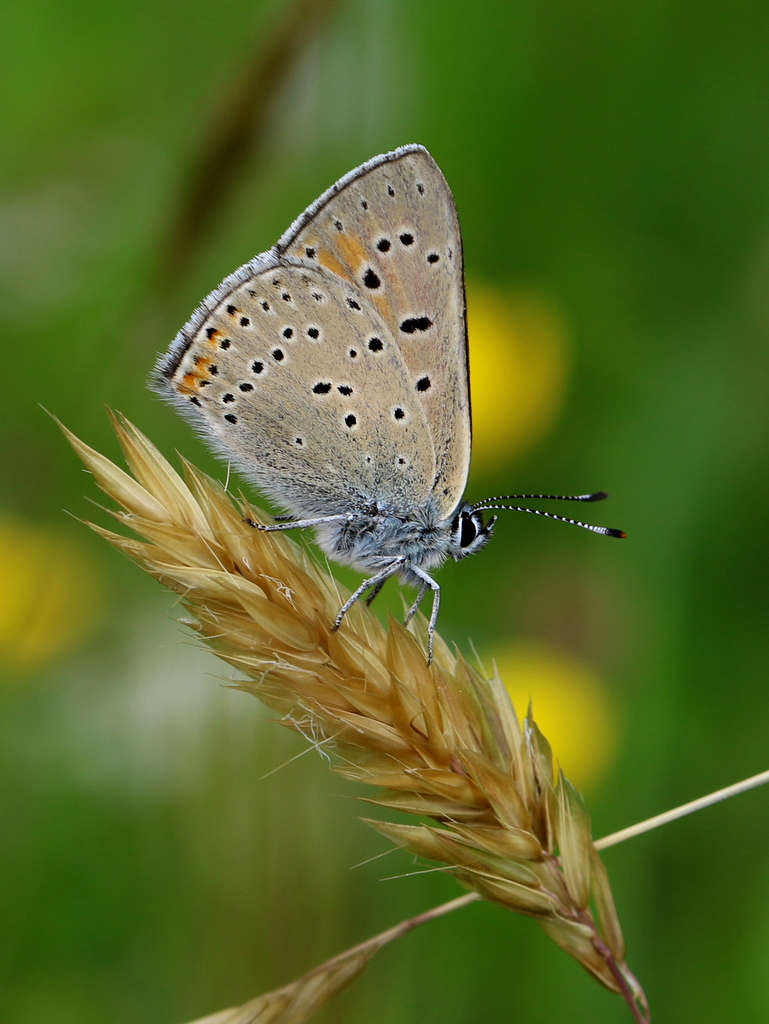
(333, 371)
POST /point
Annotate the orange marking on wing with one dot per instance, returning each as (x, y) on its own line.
(353, 252)
(189, 383)
(331, 263)
(384, 305)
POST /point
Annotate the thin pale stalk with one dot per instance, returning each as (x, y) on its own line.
(680, 812)
(403, 928)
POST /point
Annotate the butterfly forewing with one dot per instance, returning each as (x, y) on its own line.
(298, 376)
(390, 229)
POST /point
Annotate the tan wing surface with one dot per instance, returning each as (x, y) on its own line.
(390, 228)
(298, 376)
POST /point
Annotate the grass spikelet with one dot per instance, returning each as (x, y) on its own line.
(441, 742)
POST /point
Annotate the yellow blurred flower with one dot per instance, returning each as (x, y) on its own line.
(48, 597)
(518, 370)
(570, 705)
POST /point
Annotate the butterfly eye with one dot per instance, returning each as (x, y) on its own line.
(468, 531)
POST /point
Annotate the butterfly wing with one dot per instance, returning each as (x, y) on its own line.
(296, 377)
(333, 369)
(390, 228)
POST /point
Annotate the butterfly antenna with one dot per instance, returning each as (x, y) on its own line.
(606, 531)
(595, 496)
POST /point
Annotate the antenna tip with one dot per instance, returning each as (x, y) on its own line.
(597, 496)
(616, 533)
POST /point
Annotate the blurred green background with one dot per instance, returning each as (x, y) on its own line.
(610, 162)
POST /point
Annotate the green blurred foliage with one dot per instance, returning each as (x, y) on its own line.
(615, 157)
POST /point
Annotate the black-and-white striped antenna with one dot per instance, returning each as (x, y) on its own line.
(606, 531)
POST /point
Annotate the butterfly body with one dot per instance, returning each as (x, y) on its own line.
(333, 371)
(373, 537)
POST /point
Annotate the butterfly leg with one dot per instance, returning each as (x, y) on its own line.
(413, 609)
(296, 524)
(375, 581)
(374, 592)
(429, 582)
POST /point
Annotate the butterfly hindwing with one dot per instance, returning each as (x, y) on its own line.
(297, 376)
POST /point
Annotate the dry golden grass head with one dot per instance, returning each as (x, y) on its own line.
(441, 741)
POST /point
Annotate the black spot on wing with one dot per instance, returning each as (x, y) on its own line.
(416, 323)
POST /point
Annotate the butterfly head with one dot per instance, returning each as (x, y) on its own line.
(469, 533)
